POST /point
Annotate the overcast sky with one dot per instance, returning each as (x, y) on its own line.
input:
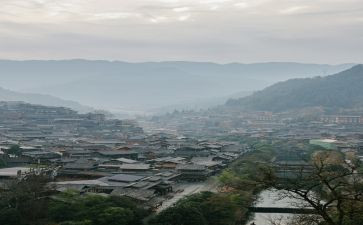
(322, 31)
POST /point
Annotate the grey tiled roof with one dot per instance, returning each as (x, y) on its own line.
(125, 178)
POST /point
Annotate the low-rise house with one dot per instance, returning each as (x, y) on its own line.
(7, 175)
(213, 166)
(78, 185)
(120, 161)
(140, 195)
(191, 151)
(123, 178)
(63, 161)
(114, 154)
(133, 168)
(77, 153)
(16, 161)
(193, 172)
(81, 165)
(167, 162)
(41, 156)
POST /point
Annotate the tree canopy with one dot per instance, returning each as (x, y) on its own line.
(204, 208)
(31, 201)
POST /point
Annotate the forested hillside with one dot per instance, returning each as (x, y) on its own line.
(342, 90)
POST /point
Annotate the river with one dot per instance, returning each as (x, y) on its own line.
(271, 198)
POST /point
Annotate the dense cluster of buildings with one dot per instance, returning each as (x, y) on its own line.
(343, 132)
(92, 153)
(342, 119)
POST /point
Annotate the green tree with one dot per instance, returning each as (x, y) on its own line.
(14, 150)
(25, 201)
(72, 208)
(2, 163)
(115, 216)
(180, 214)
(204, 208)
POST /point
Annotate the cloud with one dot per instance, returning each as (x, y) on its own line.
(158, 19)
(184, 18)
(112, 15)
(293, 10)
(242, 5)
(217, 30)
(181, 9)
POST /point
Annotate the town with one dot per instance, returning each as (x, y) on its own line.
(178, 156)
(181, 112)
(90, 153)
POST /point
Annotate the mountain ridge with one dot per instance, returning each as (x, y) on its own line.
(41, 99)
(145, 86)
(341, 90)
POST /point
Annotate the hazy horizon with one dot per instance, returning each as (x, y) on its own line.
(186, 60)
(147, 87)
(179, 52)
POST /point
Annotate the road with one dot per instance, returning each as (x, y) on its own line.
(189, 189)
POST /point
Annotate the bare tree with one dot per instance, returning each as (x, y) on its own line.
(331, 186)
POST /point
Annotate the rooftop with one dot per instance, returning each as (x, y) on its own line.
(135, 166)
(13, 171)
(125, 178)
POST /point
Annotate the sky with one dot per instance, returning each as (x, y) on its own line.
(317, 31)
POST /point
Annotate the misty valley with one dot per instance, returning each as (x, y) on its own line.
(181, 112)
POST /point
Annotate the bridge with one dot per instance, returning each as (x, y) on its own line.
(282, 210)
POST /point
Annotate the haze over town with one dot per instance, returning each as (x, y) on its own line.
(181, 112)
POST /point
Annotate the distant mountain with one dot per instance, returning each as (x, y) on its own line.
(120, 86)
(342, 90)
(40, 99)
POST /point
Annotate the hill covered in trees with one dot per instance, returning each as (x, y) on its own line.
(341, 90)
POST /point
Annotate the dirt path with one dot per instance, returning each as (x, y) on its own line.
(189, 189)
